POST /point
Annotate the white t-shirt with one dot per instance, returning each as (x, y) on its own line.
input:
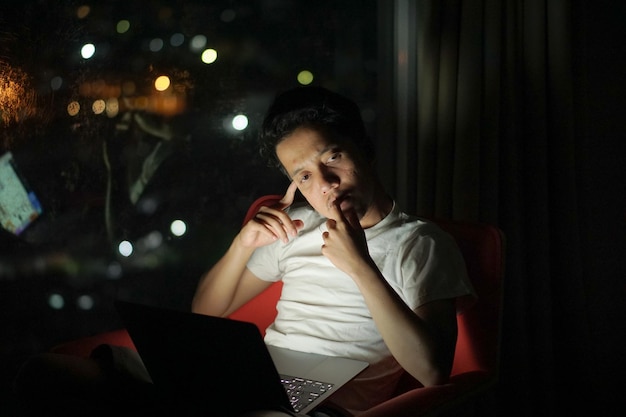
(321, 309)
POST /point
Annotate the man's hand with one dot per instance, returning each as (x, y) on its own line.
(271, 223)
(344, 242)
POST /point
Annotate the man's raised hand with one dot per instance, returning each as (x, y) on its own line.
(344, 241)
(271, 223)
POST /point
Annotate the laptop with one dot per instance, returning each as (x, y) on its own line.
(213, 366)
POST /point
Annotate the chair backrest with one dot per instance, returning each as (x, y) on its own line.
(261, 310)
(478, 340)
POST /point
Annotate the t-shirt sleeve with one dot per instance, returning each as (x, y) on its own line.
(264, 263)
(433, 268)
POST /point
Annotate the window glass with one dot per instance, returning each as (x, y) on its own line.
(134, 125)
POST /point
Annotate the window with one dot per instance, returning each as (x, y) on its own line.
(134, 124)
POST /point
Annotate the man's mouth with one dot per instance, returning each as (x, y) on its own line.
(343, 201)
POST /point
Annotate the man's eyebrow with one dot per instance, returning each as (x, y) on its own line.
(322, 151)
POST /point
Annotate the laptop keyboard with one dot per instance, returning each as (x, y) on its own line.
(302, 392)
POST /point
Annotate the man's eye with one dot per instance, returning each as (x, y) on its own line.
(304, 177)
(334, 157)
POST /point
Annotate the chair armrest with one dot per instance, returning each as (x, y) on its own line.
(416, 402)
(84, 346)
(426, 401)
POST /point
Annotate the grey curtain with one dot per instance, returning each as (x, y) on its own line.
(496, 128)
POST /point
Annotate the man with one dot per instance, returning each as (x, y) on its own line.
(361, 279)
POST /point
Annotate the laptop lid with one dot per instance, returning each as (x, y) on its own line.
(203, 365)
(198, 359)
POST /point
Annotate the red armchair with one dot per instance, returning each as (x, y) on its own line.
(476, 360)
(475, 370)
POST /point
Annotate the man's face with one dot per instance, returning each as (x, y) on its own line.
(326, 172)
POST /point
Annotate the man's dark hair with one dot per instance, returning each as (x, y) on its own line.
(316, 108)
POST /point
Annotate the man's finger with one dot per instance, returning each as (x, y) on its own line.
(352, 218)
(336, 213)
(349, 216)
(289, 196)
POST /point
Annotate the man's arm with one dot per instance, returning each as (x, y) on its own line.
(422, 342)
(229, 284)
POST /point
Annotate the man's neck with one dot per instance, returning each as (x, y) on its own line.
(380, 208)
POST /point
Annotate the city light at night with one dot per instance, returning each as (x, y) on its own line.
(17, 98)
(209, 56)
(305, 77)
(88, 50)
(240, 122)
(162, 83)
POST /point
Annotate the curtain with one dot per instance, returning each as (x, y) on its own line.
(498, 140)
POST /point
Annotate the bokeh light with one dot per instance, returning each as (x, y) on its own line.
(197, 43)
(305, 77)
(73, 108)
(85, 302)
(177, 39)
(98, 106)
(83, 11)
(56, 301)
(114, 270)
(209, 56)
(156, 44)
(153, 240)
(240, 122)
(56, 83)
(88, 50)
(125, 248)
(112, 107)
(178, 228)
(122, 26)
(162, 83)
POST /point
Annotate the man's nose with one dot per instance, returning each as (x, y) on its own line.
(328, 180)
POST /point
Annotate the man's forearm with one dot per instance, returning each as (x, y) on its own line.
(410, 339)
(217, 288)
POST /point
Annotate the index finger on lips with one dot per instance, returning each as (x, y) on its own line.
(336, 213)
(352, 218)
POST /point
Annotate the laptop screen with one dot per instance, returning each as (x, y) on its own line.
(19, 205)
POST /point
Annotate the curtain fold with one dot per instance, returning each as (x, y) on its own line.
(496, 143)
